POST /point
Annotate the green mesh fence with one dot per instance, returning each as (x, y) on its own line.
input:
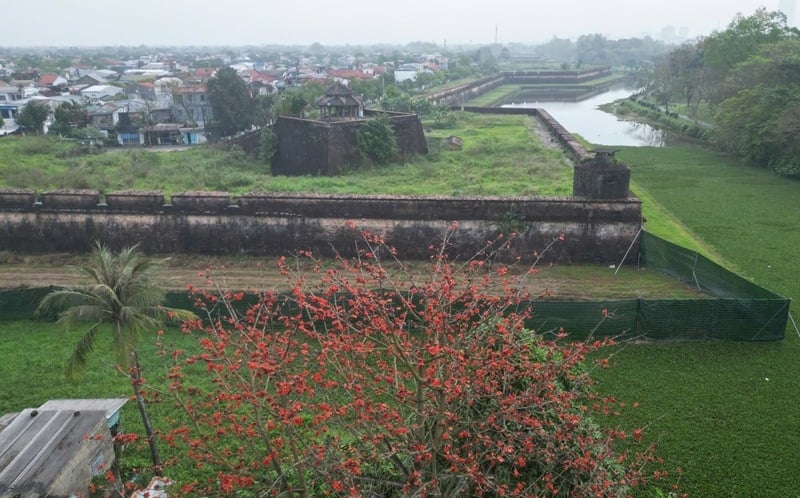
(736, 309)
(20, 304)
(581, 319)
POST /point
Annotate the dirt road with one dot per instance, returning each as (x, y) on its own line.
(254, 274)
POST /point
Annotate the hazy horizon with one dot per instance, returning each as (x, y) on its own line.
(359, 22)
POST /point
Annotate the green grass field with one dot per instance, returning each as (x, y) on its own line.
(725, 413)
(501, 155)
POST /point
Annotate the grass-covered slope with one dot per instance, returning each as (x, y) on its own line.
(725, 413)
(502, 155)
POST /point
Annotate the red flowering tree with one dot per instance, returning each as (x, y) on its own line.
(363, 379)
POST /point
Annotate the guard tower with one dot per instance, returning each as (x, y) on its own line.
(601, 176)
(340, 103)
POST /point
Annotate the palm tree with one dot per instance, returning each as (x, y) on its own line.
(122, 296)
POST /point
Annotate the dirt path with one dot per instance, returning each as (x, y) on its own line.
(253, 274)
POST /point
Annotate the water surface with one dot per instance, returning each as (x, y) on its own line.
(584, 118)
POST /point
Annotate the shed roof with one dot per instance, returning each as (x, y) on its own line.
(37, 444)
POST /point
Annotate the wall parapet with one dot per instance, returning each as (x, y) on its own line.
(491, 208)
(276, 224)
(461, 93)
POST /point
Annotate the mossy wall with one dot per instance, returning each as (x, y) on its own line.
(311, 147)
(269, 225)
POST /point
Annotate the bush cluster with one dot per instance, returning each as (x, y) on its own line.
(357, 383)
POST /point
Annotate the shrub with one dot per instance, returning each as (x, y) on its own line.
(361, 384)
(269, 145)
(376, 140)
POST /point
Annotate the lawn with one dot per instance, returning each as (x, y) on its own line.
(725, 413)
(501, 155)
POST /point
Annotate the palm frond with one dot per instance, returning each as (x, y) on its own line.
(59, 300)
(121, 294)
(77, 361)
(176, 315)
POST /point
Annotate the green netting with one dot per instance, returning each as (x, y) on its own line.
(736, 309)
(697, 270)
(580, 319)
(20, 304)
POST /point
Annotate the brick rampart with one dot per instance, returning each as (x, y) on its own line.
(275, 224)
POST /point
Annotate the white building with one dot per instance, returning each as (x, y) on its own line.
(100, 92)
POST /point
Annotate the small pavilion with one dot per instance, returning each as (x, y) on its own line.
(340, 103)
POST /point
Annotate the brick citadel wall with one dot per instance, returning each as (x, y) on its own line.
(215, 223)
(314, 147)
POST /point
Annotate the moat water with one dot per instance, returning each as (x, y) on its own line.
(584, 118)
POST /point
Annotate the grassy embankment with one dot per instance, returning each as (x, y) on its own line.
(723, 412)
(501, 155)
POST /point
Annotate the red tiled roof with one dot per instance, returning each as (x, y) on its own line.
(48, 79)
(190, 89)
(256, 76)
(204, 72)
(348, 74)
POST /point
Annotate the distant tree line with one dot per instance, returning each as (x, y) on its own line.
(747, 79)
(597, 50)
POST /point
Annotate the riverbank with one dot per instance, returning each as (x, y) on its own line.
(642, 111)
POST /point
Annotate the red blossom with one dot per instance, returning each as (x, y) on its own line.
(340, 386)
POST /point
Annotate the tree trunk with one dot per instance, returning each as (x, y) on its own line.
(136, 379)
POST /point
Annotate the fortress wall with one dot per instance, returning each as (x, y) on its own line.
(272, 225)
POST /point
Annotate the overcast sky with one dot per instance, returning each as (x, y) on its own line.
(332, 22)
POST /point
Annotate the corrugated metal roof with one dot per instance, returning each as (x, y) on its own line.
(39, 445)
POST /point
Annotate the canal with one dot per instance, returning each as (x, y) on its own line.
(584, 118)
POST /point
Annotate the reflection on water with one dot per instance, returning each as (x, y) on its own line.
(598, 127)
(645, 134)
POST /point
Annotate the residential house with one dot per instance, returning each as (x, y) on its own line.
(163, 90)
(9, 93)
(203, 74)
(13, 97)
(101, 92)
(144, 89)
(344, 76)
(9, 110)
(104, 117)
(6, 67)
(410, 71)
(259, 84)
(52, 84)
(25, 89)
(94, 77)
(191, 105)
(163, 134)
(134, 75)
(157, 66)
(373, 69)
(131, 121)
